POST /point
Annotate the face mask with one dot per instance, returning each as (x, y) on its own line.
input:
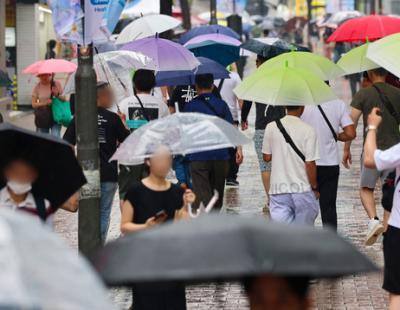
(19, 188)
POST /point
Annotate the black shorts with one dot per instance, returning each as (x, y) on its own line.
(391, 252)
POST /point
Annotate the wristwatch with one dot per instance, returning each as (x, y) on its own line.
(315, 189)
(371, 127)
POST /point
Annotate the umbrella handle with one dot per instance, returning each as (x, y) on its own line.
(190, 211)
(212, 202)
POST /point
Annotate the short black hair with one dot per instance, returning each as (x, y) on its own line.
(204, 81)
(293, 107)
(144, 80)
(380, 71)
(298, 285)
(261, 59)
(52, 44)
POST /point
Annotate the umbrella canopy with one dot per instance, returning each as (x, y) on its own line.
(270, 47)
(385, 53)
(182, 133)
(173, 78)
(50, 66)
(221, 48)
(364, 28)
(4, 79)
(147, 26)
(356, 61)
(39, 271)
(217, 247)
(318, 65)
(284, 86)
(198, 31)
(339, 17)
(167, 55)
(60, 174)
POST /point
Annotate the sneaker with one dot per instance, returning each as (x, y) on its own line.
(375, 229)
(232, 183)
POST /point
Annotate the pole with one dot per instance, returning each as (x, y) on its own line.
(166, 9)
(213, 12)
(88, 150)
(185, 7)
(309, 17)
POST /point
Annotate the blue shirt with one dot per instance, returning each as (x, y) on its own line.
(216, 107)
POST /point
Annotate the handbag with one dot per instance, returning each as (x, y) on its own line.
(61, 111)
(43, 117)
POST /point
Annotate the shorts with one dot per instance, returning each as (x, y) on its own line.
(391, 252)
(258, 144)
(369, 177)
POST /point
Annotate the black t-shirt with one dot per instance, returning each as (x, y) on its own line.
(184, 94)
(111, 132)
(265, 114)
(147, 202)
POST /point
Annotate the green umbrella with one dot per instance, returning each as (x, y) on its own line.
(4, 79)
(320, 66)
(284, 86)
(356, 60)
(385, 52)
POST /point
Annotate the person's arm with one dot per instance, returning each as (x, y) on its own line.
(266, 147)
(311, 170)
(347, 158)
(37, 103)
(70, 133)
(188, 199)
(348, 134)
(245, 113)
(311, 155)
(57, 91)
(121, 130)
(370, 146)
(347, 124)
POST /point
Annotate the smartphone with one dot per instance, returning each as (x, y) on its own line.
(160, 214)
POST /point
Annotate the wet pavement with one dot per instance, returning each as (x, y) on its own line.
(358, 292)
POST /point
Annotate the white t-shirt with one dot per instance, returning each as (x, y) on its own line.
(154, 108)
(288, 173)
(339, 118)
(390, 159)
(228, 95)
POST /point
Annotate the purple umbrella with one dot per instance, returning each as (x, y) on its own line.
(216, 37)
(198, 31)
(167, 55)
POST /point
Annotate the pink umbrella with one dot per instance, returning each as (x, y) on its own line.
(50, 66)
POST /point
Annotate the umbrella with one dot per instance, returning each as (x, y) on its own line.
(173, 78)
(39, 271)
(356, 61)
(271, 47)
(363, 28)
(385, 53)
(339, 17)
(222, 247)
(207, 30)
(318, 65)
(284, 86)
(4, 79)
(50, 66)
(147, 26)
(60, 174)
(167, 55)
(183, 133)
(221, 48)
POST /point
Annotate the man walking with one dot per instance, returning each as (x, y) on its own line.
(111, 131)
(209, 169)
(332, 123)
(292, 147)
(387, 98)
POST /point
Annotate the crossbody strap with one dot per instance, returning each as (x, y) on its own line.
(146, 116)
(388, 105)
(221, 83)
(289, 140)
(328, 123)
(211, 107)
(40, 207)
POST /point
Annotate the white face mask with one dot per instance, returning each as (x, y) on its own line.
(19, 188)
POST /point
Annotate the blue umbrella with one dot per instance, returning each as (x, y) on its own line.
(206, 30)
(173, 78)
(221, 48)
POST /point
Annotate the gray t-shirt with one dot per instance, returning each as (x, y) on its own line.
(368, 98)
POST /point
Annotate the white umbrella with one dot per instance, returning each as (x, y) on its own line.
(182, 133)
(147, 26)
(39, 271)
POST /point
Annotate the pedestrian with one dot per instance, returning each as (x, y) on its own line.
(379, 94)
(332, 123)
(209, 169)
(278, 292)
(292, 147)
(111, 132)
(151, 202)
(226, 87)
(375, 158)
(17, 194)
(138, 110)
(50, 53)
(42, 95)
(265, 114)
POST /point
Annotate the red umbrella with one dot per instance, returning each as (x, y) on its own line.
(370, 27)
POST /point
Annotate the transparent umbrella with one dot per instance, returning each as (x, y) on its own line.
(38, 271)
(182, 133)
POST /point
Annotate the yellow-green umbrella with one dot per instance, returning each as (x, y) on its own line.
(356, 61)
(386, 53)
(318, 65)
(284, 86)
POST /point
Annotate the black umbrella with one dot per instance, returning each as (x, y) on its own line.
(271, 47)
(4, 79)
(60, 174)
(216, 247)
